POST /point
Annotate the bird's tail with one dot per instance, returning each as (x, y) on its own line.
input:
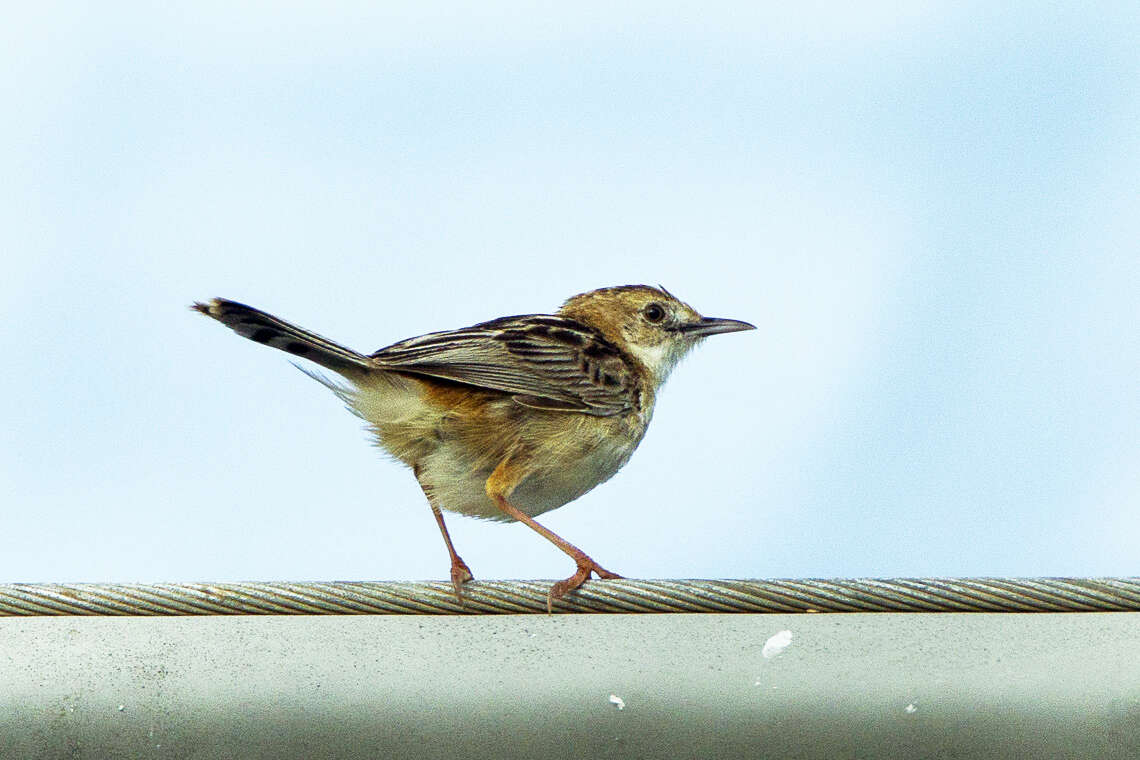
(265, 328)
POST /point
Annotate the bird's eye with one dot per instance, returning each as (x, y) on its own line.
(654, 312)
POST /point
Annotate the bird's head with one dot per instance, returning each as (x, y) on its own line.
(649, 323)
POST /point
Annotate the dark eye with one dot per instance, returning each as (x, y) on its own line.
(654, 312)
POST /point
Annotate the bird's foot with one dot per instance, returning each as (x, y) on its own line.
(460, 574)
(586, 566)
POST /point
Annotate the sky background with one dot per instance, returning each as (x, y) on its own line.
(930, 210)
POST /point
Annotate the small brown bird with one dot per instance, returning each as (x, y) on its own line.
(514, 417)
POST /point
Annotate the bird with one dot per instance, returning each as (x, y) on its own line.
(510, 418)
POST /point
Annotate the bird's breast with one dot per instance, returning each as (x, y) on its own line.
(560, 477)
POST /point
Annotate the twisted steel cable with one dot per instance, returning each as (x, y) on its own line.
(625, 596)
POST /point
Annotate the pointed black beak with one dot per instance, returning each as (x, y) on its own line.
(714, 326)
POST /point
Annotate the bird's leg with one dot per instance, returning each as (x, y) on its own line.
(460, 573)
(502, 481)
(586, 565)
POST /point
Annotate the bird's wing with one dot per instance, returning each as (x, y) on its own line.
(543, 361)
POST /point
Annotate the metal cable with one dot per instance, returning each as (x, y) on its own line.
(498, 597)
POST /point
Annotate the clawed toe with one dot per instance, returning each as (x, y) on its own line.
(563, 587)
(460, 574)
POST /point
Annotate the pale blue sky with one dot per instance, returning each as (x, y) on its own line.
(929, 210)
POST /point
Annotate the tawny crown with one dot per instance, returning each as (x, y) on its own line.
(650, 324)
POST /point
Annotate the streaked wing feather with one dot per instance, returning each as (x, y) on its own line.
(544, 361)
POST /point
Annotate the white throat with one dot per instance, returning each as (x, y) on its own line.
(659, 359)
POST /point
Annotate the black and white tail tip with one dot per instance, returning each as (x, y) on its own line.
(267, 329)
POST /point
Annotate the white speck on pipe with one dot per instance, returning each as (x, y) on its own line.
(776, 644)
(910, 709)
(617, 701)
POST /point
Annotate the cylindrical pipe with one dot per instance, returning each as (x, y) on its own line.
(572, 686)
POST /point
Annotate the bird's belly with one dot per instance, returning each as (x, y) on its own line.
(457, 487)
(454, 440)
(553, 486)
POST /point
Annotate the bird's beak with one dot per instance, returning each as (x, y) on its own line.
(713, 326)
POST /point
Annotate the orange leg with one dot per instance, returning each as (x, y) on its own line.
(498, 487)
(460, 573)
